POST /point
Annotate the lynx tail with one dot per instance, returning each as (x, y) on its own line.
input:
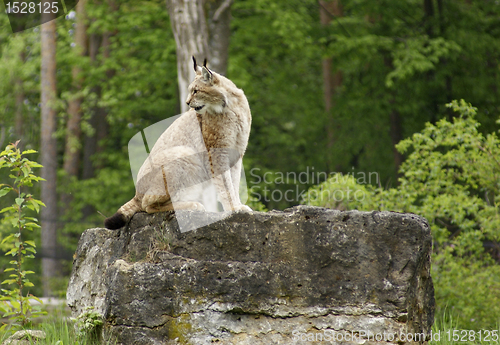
(123, 215)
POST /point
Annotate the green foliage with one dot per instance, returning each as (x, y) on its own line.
(419, 55)
(451, 177)
(88, 323)
(19, 75)
(118, 185)
(282, 86)
(254, 203)
(142, 84)
(340, 192)
(395, 62)
(16, 305)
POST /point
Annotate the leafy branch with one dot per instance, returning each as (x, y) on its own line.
(16, 305)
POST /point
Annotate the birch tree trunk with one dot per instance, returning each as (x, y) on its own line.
(189, 26)
(219, 29)
(48, 151)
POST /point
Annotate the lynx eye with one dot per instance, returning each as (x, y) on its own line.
(194, 92)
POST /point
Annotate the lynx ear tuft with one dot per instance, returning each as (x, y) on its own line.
(207, 75)
(205, 63)
(194, 64)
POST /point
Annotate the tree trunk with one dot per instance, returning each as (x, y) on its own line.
(441, 17)
(73, 135)
(189, 26)
(50, 267)
(219, 29)
(73, 129)
(429, 16)
(331, 82)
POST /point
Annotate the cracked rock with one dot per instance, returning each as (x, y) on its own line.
(300, 276)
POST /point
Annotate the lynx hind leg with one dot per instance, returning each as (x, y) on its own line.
(185, 176)
(152, 203)
(174, 181)
(152, 186)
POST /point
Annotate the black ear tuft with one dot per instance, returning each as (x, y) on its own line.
(205, 63)
(194, 63)
(115, 222)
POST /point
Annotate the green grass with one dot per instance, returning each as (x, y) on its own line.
(58, 333)
(447, 331)
(61, 331)
(56, 324)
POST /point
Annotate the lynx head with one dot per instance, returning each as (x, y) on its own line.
(205, 93)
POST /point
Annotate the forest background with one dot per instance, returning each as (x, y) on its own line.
(333, 87)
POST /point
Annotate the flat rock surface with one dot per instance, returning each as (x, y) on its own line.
(291, 277)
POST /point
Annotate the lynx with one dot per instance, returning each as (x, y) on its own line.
(205, 143)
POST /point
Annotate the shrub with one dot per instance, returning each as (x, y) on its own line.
(452, 178)
(16, 304)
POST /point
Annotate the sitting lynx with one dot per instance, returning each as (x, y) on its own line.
(205, 143)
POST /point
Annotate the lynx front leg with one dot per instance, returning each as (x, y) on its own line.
(224, 180)
(225, 189)
(236, 178)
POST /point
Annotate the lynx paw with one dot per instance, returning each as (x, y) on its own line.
(189, 205)
(243, 208)
(196, 206)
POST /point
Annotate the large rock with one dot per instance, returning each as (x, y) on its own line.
(292, 277)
